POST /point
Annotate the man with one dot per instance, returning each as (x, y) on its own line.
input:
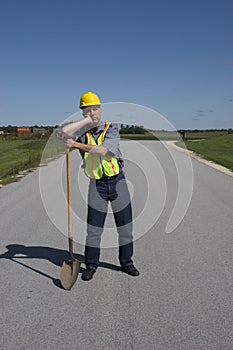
(103, 164)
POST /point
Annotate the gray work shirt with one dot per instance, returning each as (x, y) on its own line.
(111, 140)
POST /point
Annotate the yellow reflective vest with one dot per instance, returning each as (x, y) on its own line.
(96, 166)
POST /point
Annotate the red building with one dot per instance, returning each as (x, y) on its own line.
(23, 131)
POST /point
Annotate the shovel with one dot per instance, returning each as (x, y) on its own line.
(70, 268)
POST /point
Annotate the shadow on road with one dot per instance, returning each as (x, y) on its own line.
(54, 255)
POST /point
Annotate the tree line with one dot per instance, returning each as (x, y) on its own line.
(124, 129)
(132, 129)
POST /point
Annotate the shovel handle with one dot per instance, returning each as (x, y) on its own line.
(69, 200)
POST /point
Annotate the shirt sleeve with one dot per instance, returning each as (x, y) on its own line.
(112, 139)
(80, 133)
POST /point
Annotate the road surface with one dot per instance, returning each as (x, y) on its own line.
(182, 299)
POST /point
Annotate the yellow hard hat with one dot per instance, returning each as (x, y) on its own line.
(89, 99)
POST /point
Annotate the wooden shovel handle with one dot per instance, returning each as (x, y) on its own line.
(69, 200)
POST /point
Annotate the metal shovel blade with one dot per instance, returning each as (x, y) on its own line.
(69, 273)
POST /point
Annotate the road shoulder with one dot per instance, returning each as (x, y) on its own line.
(200, 159)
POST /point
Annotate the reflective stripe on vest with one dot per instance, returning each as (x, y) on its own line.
(96, 166)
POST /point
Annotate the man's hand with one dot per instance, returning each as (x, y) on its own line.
(95, 120)
(94, 149)
(69, 143)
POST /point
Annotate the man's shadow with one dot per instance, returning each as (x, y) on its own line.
(56, 256)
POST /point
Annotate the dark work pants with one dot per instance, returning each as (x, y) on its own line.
(115, 190)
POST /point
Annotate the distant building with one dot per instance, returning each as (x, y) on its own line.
(40, 131)
(23, 131)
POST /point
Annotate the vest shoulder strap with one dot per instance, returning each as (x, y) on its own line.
(90, 138)
(102, 135)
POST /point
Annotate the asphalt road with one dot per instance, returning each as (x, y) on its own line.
(182, 299)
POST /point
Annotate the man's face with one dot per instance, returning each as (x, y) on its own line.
(95, 112)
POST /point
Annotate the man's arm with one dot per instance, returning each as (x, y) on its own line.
(94, 149)
(71, 129)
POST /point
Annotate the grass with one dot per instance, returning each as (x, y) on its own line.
(217, 149)
(24, 154)
(153, 135)
(205, 134)
(175, 135)
(138, 137)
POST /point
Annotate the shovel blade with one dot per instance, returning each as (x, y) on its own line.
(69, 273)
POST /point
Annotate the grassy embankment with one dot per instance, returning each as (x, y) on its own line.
(218, 149)
(18, 155)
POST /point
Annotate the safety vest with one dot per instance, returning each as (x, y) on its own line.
(96, 166)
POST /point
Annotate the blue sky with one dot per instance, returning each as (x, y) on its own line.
(174, 56)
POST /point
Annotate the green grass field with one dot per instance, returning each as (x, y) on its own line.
(217, 149)
(175, 135)
(17, 155)
(205, 134)
(136, 137)
(153, 135)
